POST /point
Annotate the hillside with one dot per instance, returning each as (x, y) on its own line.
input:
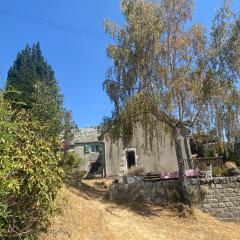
(87, 215)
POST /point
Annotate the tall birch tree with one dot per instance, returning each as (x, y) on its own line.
(161, 74)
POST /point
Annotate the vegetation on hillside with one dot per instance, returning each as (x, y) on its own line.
(29, 171)
(31, 127)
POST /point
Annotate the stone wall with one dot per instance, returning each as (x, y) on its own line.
(219, 197)
(163, 192)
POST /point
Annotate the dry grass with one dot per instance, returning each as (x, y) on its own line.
(230, 165)
(86, 215)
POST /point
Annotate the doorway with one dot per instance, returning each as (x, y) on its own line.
(131, 160)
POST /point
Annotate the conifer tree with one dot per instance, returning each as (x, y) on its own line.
(68, 127)
(35, 88)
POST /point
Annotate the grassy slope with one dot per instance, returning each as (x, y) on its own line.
(86, 215)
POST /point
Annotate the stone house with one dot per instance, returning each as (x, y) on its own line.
(103, 157)
(161, 158)
(87, 145)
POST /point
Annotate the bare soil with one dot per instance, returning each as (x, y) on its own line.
(85, 214)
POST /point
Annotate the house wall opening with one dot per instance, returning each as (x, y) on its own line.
(131, 160)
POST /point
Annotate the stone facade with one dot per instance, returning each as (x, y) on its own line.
(91, 150)
(219, 197)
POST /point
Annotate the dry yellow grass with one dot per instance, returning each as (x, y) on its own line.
(230, 165)
(87, 216)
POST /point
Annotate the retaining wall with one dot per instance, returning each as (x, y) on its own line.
(219, 197)
(158, 192)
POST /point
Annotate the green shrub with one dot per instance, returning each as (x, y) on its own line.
(218, 172)
(29, 172)
(209, 151)
(229, 154)
(71, 161)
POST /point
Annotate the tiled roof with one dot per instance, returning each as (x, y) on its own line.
(85, 135)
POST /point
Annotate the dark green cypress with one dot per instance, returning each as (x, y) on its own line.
(31, 84)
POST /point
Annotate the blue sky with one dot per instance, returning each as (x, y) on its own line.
(80, 62)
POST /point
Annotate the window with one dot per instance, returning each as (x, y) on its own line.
(87, 149)
(92, 148)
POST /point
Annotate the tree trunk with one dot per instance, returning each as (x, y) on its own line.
(183, 179)
(186, 145)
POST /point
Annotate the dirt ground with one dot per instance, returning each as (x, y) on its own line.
(87, 215)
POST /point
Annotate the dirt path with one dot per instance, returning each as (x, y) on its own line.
(87, 216)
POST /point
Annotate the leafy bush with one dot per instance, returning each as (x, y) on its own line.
(229, 153)
(29, 172)
(209, 151)
(71, 161)
(218, 172)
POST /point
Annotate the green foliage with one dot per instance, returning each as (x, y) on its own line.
(48, 109)
(5, 140)
(218, 172)
(159, 54)
(159, 72)
(68, 127)
(36, 88)
(232, 156)
(227, 151)
(209, 150)
(29, 172)
(224, 72)
(166, 70)
(71, 161)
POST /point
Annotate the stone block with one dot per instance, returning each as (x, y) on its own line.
(206, 206)
(236, 204)
(210, 192)
(214, 200)
(233, 199)
(221, 215)
(218, 191)
(228, 215)
(233, 185)
(214, 205)
(222, 205)
(229, 204)
(225, 199)
(236, 214)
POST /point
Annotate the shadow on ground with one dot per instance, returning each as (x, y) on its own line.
(98, 192)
